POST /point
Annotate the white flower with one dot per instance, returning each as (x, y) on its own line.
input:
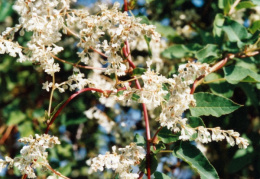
(46, 86)
(122, 163)
(33, 151)
(217, 135)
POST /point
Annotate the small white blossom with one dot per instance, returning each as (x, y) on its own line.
(121, 162)
(33, 151)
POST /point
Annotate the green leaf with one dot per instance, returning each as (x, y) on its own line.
(15, 117)
(160, 146)
(211, 104)
(119, 93)
(235, 31)
(167, 136)
(139, 140)
(195, 122)
(147, 40)
(66, 170)
(235, 74)
(208, 54)
(131, 4)
(5, 10)
(245, 4)
(153, 164)
(117, 176)
(217, 30)
(256, 2)
(25, 129)
(56, 109)
(255, 26)
(135, 97)
(194, 157)
(225, 5)
(138, 71)
(218, 85)
(251, 94)
(144, 20)
(149, 1)
(242, 158)
(165, 31)
(159, 175)
(179, 51)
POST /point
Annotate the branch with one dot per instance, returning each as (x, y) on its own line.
(76, 65)
(76, 35)
(69, 99)
(232, 9)
(221, 64)
(148, 137)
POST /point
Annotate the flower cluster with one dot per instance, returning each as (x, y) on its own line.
(11, 48)
(32, 155)
(121, 162)
(205, 135)
(119, 26)
(180, 97)
(180, 100)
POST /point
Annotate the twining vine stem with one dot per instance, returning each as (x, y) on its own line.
(221, 64)
(126, 51)
(68, 100)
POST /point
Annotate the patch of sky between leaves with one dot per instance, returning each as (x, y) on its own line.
(198, 3)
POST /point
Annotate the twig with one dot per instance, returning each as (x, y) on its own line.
(6, 134)
(232, 9)
(51, 95)
(76, 35)
(76, 65)
(68, 100)
(148, 137)
(57, 173)
(154, 137)
(221, 64)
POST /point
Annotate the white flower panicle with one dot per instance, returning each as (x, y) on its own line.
(152, 92)
(11, 48)
(31, 153)
(47, 19)
(121, 162)
(180, 98)
(43, 17)
(118, 25)
(205, 135)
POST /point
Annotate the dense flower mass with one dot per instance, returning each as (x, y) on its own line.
(121, 162)
(33, 154)
(180, 98)
(103, 42)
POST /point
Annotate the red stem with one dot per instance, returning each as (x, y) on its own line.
(126, 51)
(68, 100)
(125, 5)
(148, 137)
(216, 67)
(100, 53)
(129, 58)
